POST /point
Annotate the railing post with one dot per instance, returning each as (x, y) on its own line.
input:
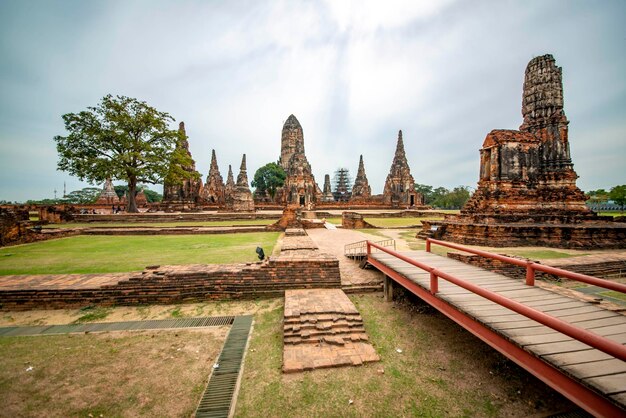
(427, 245)
(530, 274)
(369, 248)
(434, 283)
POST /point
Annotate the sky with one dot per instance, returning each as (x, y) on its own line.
(353, 73)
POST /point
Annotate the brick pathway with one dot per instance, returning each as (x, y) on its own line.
(63, 281)
(333, 241)
(322, 328)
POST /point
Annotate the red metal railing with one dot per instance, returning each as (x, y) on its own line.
(531, 267)
(603, 344)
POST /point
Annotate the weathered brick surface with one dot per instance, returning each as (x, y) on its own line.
(322, 328)
(527, 193)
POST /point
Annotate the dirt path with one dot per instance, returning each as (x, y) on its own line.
(332, 241)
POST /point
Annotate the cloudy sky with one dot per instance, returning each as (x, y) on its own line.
(353, 73)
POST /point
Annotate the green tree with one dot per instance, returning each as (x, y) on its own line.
(83, 196)
(438, 197)
(121, 138)
(618, 195)
(426, 191)
(457, 197)
(597, 196)
(151, 196)
(269, 178)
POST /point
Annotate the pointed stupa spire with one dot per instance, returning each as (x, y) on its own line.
(292, 139)
(213, 161)
(399, 159)
(242, 178)
(213, 190)
(230, 181)
(400, 187)
(361, 171)
(361, 186)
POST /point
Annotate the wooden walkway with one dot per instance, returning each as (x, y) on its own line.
(587, 366)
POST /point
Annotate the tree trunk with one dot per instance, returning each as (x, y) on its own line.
(132, 187)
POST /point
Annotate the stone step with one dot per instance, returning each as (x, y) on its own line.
(322, 333)
(340, 339)
(322, 325)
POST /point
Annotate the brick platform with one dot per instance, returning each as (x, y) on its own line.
(322, 328)
(300, 265)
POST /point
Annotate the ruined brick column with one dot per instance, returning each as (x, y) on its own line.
(542, 109)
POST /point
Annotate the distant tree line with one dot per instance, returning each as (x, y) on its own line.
(617, 195)
(443, 198)
(89, 195)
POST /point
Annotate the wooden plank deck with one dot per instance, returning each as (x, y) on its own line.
(593, 368)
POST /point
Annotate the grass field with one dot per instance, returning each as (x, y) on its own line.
(440, 371)
(617, 213)
(109, 254)
(150, 373)
(162, 224)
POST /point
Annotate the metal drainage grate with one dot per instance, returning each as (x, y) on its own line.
(218, 396)
(214, 321)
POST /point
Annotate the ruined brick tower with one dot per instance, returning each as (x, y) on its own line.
(214, 189)
(229, 187)
(527, 192)
(361, 188)
(399, 188)
(299, 187)
(108, 195)
(241, 195)
(189, 190)
(327, 194)
(530, 170)
(292, 135)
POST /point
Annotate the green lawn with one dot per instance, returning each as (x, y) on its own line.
(109, 254)
(428, 368)
(611, 213)
(398, 222)
(163, 224)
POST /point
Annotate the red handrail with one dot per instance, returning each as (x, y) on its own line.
(601, 343)
(531, 267)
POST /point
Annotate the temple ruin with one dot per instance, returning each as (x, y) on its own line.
(527, 193)
(241, 196)
(292, 135)
(108, 195)
(299, 187)
(361, 189)
(399, 188)
(188, 191)
(214, 188)
(327, 193)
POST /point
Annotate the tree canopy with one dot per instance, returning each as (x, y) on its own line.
(121, 138)
(443, 198)
(269, 178)
(151, 196)
(618, 195)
